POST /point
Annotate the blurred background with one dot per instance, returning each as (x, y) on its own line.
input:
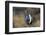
(19, 14)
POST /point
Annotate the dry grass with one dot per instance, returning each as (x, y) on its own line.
(19, 20)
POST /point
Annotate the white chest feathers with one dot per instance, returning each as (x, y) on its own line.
(30, 18)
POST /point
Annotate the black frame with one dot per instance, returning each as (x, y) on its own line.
(7, 17)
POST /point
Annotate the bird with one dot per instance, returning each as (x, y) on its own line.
(28, 19)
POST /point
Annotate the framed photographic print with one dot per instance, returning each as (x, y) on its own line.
(24, 17)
